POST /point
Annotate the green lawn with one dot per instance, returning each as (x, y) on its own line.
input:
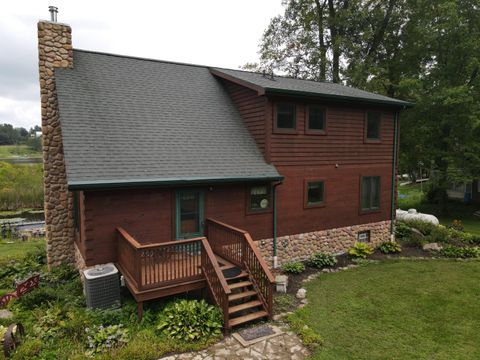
(414, 198)
(18, 249)
(397, 310)
(13, 151)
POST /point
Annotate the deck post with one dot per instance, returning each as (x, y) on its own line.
(140, 310)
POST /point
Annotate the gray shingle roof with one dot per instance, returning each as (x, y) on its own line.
(129, 120)
(306, 87)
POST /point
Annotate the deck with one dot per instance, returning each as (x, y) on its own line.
(157, 270)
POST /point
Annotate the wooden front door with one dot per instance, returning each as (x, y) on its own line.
(189, 213)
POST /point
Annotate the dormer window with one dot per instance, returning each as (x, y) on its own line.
(285, 117)
(372, 126)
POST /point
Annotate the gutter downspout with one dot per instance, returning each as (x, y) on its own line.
(394, 174)
(275, 258)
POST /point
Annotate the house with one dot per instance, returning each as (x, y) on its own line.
(466, 192)
(191, 177)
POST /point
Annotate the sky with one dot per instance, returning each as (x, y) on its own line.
(223, 33)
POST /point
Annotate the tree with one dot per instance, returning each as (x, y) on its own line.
(423, 51)
(8, 135)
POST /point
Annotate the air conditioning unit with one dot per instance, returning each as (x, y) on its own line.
(102, 286)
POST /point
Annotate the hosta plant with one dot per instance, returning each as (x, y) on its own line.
(102, 338)
(360, 250)
(295, 267)
(322, 259)
(190, 320)
(390, 247)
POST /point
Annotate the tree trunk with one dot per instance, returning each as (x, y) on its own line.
(335, 42)
(321, 40)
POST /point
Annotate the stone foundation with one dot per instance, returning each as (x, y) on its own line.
(336, 241)
(55, 51)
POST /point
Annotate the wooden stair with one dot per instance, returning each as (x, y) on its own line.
(244, 304)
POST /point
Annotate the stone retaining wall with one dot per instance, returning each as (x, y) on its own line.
(55, 51)
(302, 246)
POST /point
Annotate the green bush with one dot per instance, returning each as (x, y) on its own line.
(460, 252)
(101, 339)
(360, 250)
(439, 234)
(190, 320)
(295, 267)
(462, 237)
(321, 259)
(424, 227)
(390, 247)
(402, 230)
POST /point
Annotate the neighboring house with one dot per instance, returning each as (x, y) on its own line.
(467, 192)
(190, 177)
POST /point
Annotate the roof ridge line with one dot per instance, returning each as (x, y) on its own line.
(146, 58)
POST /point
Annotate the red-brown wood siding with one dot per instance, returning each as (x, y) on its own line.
(252, 109)
(146, 214)
(149, 215)
(344, 142)
(342, 197)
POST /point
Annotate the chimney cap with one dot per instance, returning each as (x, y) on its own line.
(53, 13)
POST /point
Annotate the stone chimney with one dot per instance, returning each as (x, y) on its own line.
(55, 51)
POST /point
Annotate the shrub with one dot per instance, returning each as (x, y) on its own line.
(102, 338)
(402, 230)
(360, 250)
(390, 247)
(322, 259)
(463, 237)
(190, 320)
(295, 267)
(457, 225)
(439, 234)
(424, 227)
(460, 252)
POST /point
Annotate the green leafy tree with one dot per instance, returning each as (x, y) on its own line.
(424, 51)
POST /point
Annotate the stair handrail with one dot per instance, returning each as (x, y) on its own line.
(247, 260)
(249, 240)
(220, 295)
(216, 267)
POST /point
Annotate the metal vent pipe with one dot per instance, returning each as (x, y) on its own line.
(53, 13)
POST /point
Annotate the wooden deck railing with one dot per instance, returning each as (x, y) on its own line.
(159, 265)
(217, 283)
(236, 245)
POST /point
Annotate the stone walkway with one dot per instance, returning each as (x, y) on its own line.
(286, 346)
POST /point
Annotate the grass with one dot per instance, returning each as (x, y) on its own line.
(410, 196)
(397, 310)
(18, 249)
(55, 316)
(21, 186)
(16, 151)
